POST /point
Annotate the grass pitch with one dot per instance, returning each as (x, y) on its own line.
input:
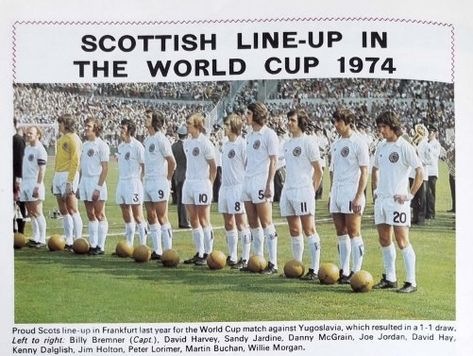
(61, 287)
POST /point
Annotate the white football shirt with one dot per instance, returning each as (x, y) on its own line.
(348, 155)
(93, 154)
(198, 151)
(233, 162)
(130, 158)
(157, 148)
(395, 160)
(34, 157)
(300, 153)
(259, 146)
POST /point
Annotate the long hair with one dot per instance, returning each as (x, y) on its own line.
(197, 120)
(392, 120)
(260, 112)
(69, 122)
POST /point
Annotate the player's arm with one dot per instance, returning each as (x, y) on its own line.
(272, 171)
(374, 181)
(74, 160)
(317, 176)
(418, 181)
(212, 170)
(362, 182)
(171, 166)
(40, 177)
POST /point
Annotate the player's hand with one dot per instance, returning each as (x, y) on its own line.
(402, 198)
(96, 195)
(268, 193)
(35, 193)
(356, 205)
(68, 191)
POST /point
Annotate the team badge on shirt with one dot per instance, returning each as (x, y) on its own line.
(231, 153)
(195, 151)
(256, 144)
(345, 151)
(394, 157)
(65, 146)
(90, 152)
(127, 155)
(152, 147)
(296, 152)
(31, 157)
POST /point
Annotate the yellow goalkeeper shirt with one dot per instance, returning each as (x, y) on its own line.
(68, 149)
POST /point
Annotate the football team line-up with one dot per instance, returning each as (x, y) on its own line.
(245, 196)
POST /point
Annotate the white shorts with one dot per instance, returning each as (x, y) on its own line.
(87, 187)
(229, 200)
(297, 202)
(26, 190)
(156, 189)
(253, 190)
(341, 198)
(59, 183)
(387, 211)
(129, 192)
(197, 192)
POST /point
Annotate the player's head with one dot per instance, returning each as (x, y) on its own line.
(345, 115)
(233, 123)
(257, 113)
(127, 128)
(196, 122)
(33, 134)
(391, 120)
(303, 121)
(94, 125)
(68, 122)
(155, 119)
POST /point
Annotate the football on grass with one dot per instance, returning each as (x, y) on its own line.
(257, 263)
(361, 281)
(56, 243)
(170, 258)
(294, 269)
(328, 273)
(216, 260)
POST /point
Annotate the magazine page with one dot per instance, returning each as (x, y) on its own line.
(218, 177)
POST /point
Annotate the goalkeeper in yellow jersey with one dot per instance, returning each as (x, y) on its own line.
(66, 178)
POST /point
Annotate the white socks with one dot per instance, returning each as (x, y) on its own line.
(155, 233)
(41, 222)
(102, 234)
(344, 249)
(357, 252)
(198, 236)
(297, 247)
(272, 242)
(232, 244)
(314, 247)
(166, 236)
(68, 228)
(389, 258)
(77, 223)
(245, 237)
(130, 232)
(258, 241)
(208, 239)
(142, 232)
(409, 257)
(93, 233)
